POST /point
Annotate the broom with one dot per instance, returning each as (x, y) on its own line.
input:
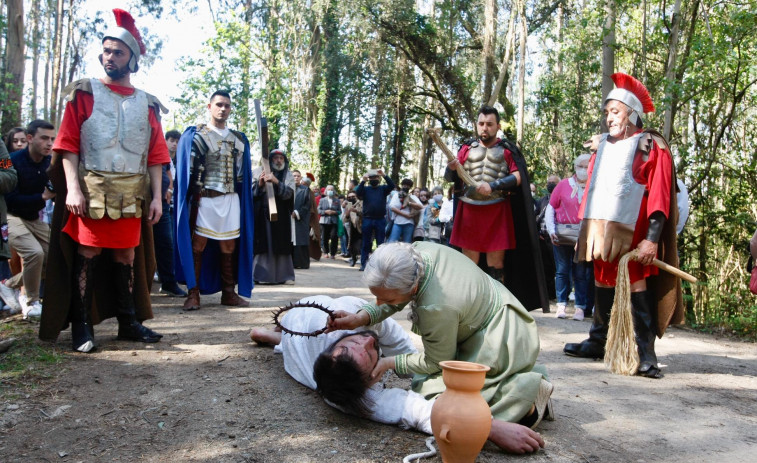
(621, 352)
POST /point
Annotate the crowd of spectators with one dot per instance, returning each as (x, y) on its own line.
(24, 212)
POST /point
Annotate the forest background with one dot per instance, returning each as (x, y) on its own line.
(353, 84)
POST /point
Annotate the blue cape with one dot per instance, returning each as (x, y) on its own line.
(210, 275)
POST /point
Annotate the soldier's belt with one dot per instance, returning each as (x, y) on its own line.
(211, 194)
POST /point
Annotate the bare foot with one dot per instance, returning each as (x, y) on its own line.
(265, 337)
(515, 438)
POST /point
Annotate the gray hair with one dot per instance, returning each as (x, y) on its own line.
(394, 266)
(581, 158)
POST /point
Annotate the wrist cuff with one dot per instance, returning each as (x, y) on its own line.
(656, 223)
(508, 182)
(372, 311)
(400, 364)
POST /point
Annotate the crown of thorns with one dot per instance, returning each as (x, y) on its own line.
(313, 305)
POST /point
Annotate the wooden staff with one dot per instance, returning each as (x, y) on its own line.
(674, 270)
(466, 178)
(263, 144)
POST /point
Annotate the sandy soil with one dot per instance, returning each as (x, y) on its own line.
(207, 394)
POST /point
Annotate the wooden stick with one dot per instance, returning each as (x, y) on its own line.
(262, 124)
(675, 271)
(467, 179)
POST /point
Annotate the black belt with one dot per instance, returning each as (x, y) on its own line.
(211, 194)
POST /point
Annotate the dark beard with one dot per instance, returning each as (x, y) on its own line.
(117, 74)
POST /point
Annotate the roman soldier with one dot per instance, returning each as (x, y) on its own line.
(629, 202)
(496, 217)
(214, 208)
(106, 169)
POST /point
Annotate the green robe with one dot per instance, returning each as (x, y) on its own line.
(463, 314)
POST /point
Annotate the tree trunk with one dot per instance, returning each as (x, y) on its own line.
(377, 123)
(670, 71)
(522, 72)
(2, 37)
(489, 45)
(57, 52)
(427, 149)
(684, 59)
(64, 65)
(503, 68)
(14, 65)
(559, 67)
(398, 145)
(48, 61)
(329, 129)
(404, 72)
(36, 40)
(313, 68)
(608, 52)
(644, 41)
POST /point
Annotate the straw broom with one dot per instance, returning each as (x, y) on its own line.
(621, 353)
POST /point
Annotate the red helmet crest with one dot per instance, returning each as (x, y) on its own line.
(126, 21)
(632, 85)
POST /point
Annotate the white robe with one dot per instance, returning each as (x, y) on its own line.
(389, 405)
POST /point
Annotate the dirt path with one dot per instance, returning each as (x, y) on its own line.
(207, 394)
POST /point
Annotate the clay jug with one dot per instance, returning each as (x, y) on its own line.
(460, 418)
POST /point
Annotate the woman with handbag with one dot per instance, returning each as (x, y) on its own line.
(561, 218)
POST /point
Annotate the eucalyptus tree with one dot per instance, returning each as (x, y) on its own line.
(13, 65)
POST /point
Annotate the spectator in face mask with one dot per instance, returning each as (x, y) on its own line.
(420, 231)
(353, 212)
(405, 207)
(373, 196)
(330, 209)
(431, 221)
(562, 222)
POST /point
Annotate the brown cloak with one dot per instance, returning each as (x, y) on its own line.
(665, 286)
(59, 282)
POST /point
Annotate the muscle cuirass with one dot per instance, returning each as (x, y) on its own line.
(115, 141)
(614, 194)
(485, 165)
(222, 152)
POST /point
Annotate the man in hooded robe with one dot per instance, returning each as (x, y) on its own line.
(273, 239)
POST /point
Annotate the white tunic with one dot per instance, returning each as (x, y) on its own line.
(218, 218)
(389, 405)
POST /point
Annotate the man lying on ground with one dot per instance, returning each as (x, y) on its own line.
(318, 362)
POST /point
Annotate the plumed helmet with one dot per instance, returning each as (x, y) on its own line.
(633, 93)
(126, 31)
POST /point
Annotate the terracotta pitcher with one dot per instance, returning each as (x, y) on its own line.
(460, 418)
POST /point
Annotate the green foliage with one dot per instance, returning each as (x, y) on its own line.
(225, 63)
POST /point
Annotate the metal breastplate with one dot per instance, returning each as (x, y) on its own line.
(614, 195)
(116, 137)
(485, 165)
(219, 160)
(115, 140)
